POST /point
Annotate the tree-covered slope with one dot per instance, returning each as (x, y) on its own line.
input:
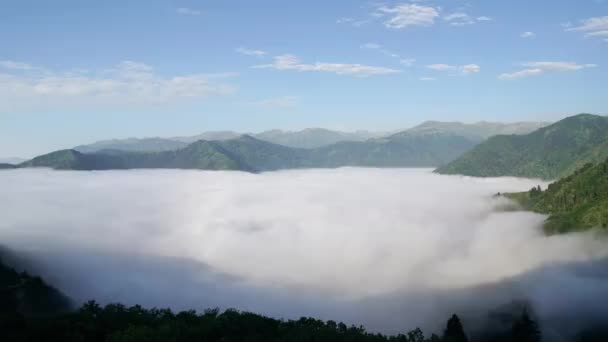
(28, 295)
(314, 137)
(133, 145)
(478, 131)
(7, 166)
(398, 150)
(549, 153)
(199, 155)
(247, 153)
(74, 160)
(575, 202)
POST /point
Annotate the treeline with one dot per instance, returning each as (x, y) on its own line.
(31, 310)
(576, 202)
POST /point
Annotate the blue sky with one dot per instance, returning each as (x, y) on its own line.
(73, 72)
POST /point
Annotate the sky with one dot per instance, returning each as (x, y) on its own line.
(73, 72)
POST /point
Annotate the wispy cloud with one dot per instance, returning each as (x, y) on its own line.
(593, 27)
(291, 62)
(427, 79)
(441, 67)
(407, 61)
(12, 65)
(539, 68)
(250, 52)
(371, 46)
(352, 21)
(389, 53)
(528, 34)
(128, 84)
(461, 69)
(407, 15)
(484, 18)
(459, 19)
(187, 11)
(278, 102)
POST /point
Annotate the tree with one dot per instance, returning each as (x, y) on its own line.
(454, 331)
(525, 329)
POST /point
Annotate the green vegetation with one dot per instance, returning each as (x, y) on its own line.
(246, 153)
(133, 145)
(551, 152)
(478, 131)
(31, 310)
(576, 202)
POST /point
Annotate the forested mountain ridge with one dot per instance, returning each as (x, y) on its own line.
(576, 202)
(31, 310)
(550, 152)
(199, 155)
(477, 131)
(315, 137)
(247, 153)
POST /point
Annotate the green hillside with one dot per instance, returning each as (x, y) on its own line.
(28, 295)
(247, 153)
(478, 131)
(133, 145)
(199, 155)
(398, 150)
(549, 153)
(7, 166)
(576, 202)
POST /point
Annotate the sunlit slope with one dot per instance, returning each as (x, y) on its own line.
(549, 153)
(576, 202)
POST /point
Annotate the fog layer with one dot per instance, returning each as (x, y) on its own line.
(390, 248)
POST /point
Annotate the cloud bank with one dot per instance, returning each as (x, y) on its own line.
(128, 84)
(391, 248)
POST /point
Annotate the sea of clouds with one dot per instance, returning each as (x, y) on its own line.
(388, 248)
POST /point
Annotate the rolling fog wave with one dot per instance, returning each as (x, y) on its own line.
(389, 248)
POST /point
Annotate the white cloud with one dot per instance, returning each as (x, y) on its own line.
(345, 20)
(187, 11)
(593, 27)
(538, 68)
(528, 34)
(371, 46)
(460, 69)
(459, 19)
(520, 74)
(127, 84)
(559, 66)
(407, 61)
(592, 24)
(427, 78)
(346, 244)
(291, 62)
(6, 64)
(250, 52)
(352, 21)
(470, 69)
(484, 18)
(408, 15)
(441, 67)
(279, 102)
(597, 34)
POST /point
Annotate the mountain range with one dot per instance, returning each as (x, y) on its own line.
(550, 152)
(314, 137)
(427, 145)
(247, 153)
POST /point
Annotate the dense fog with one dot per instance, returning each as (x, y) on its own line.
(388, 248)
